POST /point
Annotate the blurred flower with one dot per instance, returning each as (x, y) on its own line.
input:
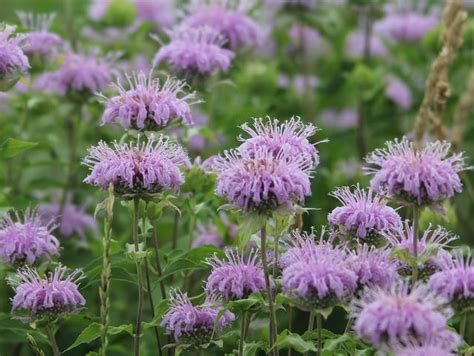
(340, 120)
(160, 12)
(235, 277)
(54, 294)
(193, 324)
(308, 36)
(148, 104)
(398, 92)
(300, 82)
(228, 18)
(260, 180)
(438, 238)
(39, 41)
(356, 42)
(363, 214)
(195, 51)
(373, 267)
(422, 176)
(28, 239)
(98, 8)
(13, 61)
(386, 318)
(432, 347)
(208, 235)
(455, 282)
(276, 136)
(81, 73)
(137, 168)
(350, 167)
(72, 220)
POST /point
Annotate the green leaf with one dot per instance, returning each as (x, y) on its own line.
(288, 340)
(13, 147)
(403, 254)
(252, 348)
(250, 224)
(92, 332)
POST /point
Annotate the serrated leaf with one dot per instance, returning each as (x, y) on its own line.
(289, 340)
(13, 147)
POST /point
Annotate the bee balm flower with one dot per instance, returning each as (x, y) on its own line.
(13, 60)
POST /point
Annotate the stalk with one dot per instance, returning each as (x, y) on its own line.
(319, 327)
(275, 256)
(290, 324)
(152, 306)
(462, 325)
(273, 327)
(52, 340)
(416, 228)
(71, 130)
(138, 322)
(157, 260)
(243, 325)
(310, 323)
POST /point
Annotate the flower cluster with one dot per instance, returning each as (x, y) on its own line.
(148, 104)
(27, 240)
(12, 57)
(422, 176)
(137, 168)
(208, 235)
(236, 277)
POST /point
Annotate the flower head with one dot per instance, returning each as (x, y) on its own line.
(400, 314)
(53, 294)
(195, 51)
(262, 181)
(236, 277)
(193, 324)
(78, 73)
(398, 92)
(355, 46)
(438, 238)
(455, 282)
(137, 168)
(28, 239)
(363, 214)
(276, 136)
(39, 41)
(147, 104)
(12, 58)
(160, 12)
(228, 18)
(344, 119)
(422, 176)
(208, 235)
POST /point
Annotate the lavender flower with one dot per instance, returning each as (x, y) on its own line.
(236, 277)
(79, 73)
(27, 240)
(39, 41)
(399, 93)
(422, 176)
(228, 18)
(98, 9)
(356, 43)
(317, 277)
(363, 214)
(291, 135)
(386, 318)
(260, 181)
(311, 38)
(12, 58)
(208, 235)
(72, 220)
(195, 51)
(193, 324)
(438, 238)
(54, 294)
(344, 119)
(160, 12)
(373, 267)
(455, 282)
(147, 104)
(140, 168)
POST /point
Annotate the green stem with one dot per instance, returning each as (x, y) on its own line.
(157, 260)
(348, 325)
(319, 327)
(290, 324)
(275, 256)
(192, 222)
(416, 231)
(152, 306)
(310, 323)
(273, 326)
(52, 340)
(462, 325)
(71, 131)
(243, 325)
(138, 322)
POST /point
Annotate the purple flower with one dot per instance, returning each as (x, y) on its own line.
(275, 136)
(398, 92)
(195, 51)
(340, 120)
(58, 292)
(98, 9)
(399, 314)
(193, 324)
(208, 235)
(455, 282)
(373, 267)
(147, 104)
(137, 168)
(12, 58)
(355, 45)
(72, 220)
(317, 277)
(160, 12)
(438, 238)
(236, 277)
(231, 21)
(83, 73)
(39, 41)
(260, 180)
(311, 38)
(363, 214)
(422, 176)
(28, 239)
